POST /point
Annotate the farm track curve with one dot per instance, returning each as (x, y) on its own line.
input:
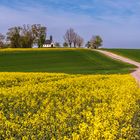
(135, 74)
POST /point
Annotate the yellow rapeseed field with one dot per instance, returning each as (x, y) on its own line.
(43, 106)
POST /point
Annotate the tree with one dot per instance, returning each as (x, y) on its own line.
(88, 45)
(42, 36)
(39, 33)
(2, 38)
(75, 39)
(27, 37)
(96, 42)
(65, 45)
(79, 41)
(69, 36)
(72, 38)
(13, 35)
(57, 44)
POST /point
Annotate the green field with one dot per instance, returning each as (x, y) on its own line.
(130, 53)
(72, 61)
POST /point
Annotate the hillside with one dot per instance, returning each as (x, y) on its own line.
(76, 61)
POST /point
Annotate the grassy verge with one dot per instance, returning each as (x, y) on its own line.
(130, 53)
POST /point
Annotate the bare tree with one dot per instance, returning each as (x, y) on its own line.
(72, 38)
(69, 36)
(79, 41)
(2, 37)
(75, 39)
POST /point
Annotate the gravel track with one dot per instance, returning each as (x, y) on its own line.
(135, 74)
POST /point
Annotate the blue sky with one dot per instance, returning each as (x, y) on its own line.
(116, 21)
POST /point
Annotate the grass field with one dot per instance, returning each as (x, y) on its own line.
(130, 53)
(72, 61)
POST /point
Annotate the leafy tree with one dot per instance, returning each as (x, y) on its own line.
(13, 35)
(88, 45)
(2, 38)
(96, 42)
(57, 44)
(39, 33)
(65, 45)
(26, 36)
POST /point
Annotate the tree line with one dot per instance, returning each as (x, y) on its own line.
(72, 39)
(24, 36)
(28, 35)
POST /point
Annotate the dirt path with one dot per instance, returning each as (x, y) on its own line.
(135, 74)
